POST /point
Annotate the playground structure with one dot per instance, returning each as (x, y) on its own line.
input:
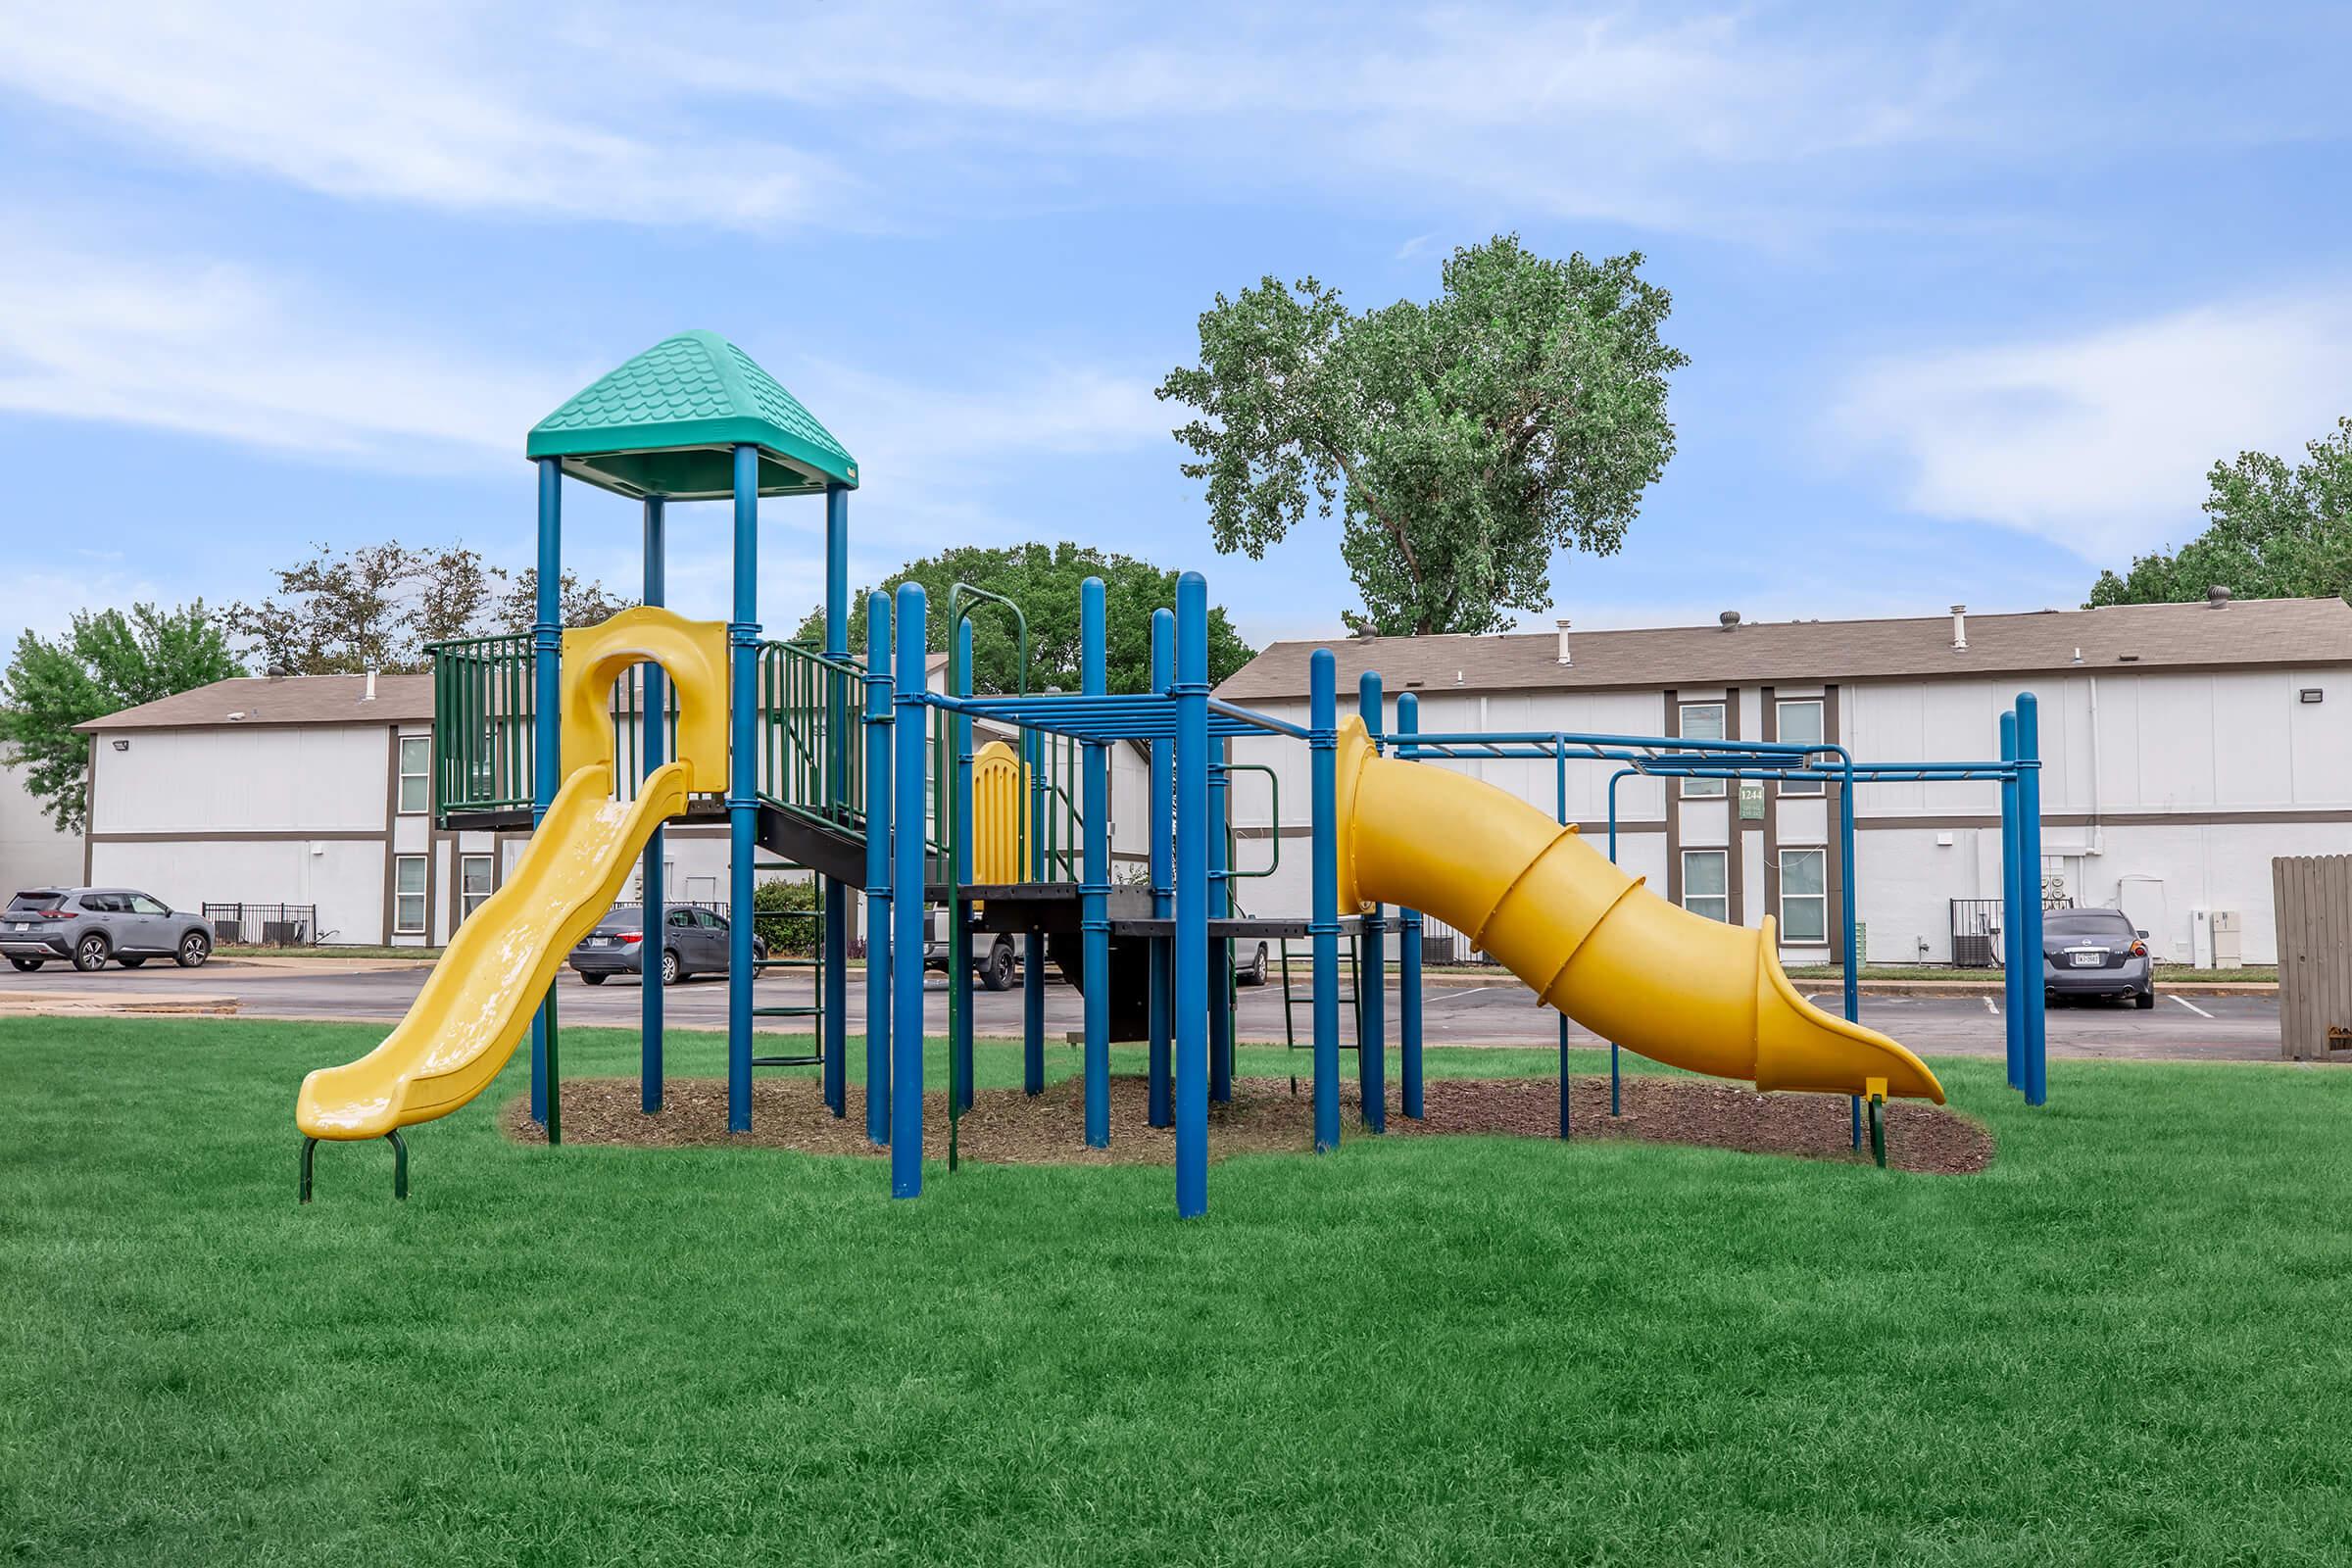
(860, 772)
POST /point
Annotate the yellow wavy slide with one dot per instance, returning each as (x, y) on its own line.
(1673, 986)
(478, 1002)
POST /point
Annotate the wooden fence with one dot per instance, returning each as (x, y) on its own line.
(2313, 901)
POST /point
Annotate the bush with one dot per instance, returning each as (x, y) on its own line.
(781, 910)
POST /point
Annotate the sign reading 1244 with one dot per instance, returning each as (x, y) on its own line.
(1751, 800)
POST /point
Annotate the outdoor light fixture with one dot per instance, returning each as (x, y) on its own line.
(2309, 694)
(125, 744)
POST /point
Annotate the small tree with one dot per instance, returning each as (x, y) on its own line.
(105, 663)
(2276, 532)
(1046, 581)
(1462, 441)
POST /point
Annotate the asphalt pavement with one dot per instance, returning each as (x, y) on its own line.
(1503, 1013)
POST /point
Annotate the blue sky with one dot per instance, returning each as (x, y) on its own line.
(1973, 294)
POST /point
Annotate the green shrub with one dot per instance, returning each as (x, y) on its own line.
(781, 915)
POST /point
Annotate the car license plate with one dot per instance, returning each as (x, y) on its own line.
(20, 925)
(2088, 960)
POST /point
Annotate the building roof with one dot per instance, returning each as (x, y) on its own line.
(254, 699)
(666, 423)
(2245, 632)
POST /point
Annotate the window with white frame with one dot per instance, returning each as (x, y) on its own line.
(1701, 721)
(1706, 883)
(1798, 721)
(416, 774)
(1804, 896)
(408, 895)
(474, 883)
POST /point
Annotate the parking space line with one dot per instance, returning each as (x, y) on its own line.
(1451, 994)
(1989, 1008)
(2193, 1006)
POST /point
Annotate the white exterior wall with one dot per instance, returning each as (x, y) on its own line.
(32, 853)
(275, 779)
(343, 877)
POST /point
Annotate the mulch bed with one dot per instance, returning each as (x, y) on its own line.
(1006, 1127)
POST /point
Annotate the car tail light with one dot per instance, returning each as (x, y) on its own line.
(633, 936)
(60, 914)
(2139, 950)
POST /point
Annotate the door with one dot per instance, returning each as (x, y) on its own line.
(684, 941)
(150, 924)
(712, 929)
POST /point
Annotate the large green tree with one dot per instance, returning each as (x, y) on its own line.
(104, 662)
(1462, 441)
(381, 606)
(2277, 531)
(1044, 580)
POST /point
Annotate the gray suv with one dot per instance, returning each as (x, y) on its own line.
(87, 926)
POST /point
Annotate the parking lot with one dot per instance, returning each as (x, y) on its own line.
(1480, 1012)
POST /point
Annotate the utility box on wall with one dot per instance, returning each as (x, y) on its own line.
(2314, 900)
(2215, 939)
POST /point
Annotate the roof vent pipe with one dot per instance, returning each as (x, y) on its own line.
(1960, 628)
(1563, 625)
(1730, 619)
(368, 696)
(2216, 597)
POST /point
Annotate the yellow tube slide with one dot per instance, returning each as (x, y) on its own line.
(1674, 986)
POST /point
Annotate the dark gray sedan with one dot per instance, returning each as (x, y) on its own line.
(694, 941)
(88, 926)
(2095, 952)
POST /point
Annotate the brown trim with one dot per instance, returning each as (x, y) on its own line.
(1598, 827)
(2288, 818)
(99, 726)
(1734, 864)
(1672, 729)
(1833, 854)
(89, 808)
(1768, 712)
(245, 836)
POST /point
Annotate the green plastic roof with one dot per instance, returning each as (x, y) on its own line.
(666, 423)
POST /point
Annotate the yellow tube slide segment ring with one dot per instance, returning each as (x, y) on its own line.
(1591, 941)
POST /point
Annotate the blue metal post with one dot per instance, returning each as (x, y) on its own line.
(1161, 812)
(1848, 945)
(1323, 923)
(879, 781)
(653, 746)
(1094, 891)
(2028, 884)
(1409, 944)
(547, 763)
(1192, 896)
(743, 785)
(959, 974)
(838, 741)
(907, 901)
(1559, 812)
(1032, 946)
(2013, 923)
(1220, 904)
(1372, 985)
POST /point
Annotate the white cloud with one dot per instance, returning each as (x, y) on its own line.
(434, 104)
(2101, 441)
(205, 346)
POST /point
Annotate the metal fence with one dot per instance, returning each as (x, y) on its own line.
(269, 925)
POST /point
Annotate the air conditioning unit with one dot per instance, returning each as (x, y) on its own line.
(2213, 939)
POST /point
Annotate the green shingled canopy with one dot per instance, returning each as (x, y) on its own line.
(666, 423)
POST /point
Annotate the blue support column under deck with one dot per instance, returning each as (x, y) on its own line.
(743, 784)
(907, 901)
(838, 740)
(1160, 810)
(1408, 947)
(2013, 923)
(1372, 1009)
(1559, 814)
(1192, 896)
(1094, 891)
(2029, 882)
(879, 725)
(547, 763)
(652, 747)
(1323, 924)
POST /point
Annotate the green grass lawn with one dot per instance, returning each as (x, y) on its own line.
(2123, 1344)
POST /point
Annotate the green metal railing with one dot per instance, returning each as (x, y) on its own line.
(811, 758)
(482, 724)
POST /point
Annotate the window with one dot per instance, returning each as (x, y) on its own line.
(416, 774)
(408, 895)
(1706, 883)
(1804, 896)
(474, 883)
(1798, 721)
(141, 903)
(1701, 721)
(105, 904)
